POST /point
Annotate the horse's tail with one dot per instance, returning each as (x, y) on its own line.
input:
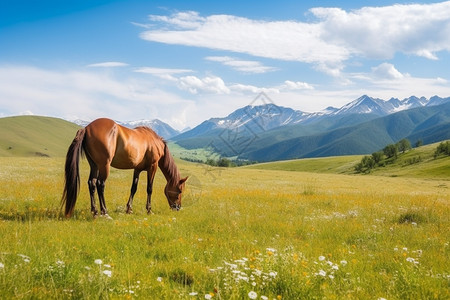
(72, 174)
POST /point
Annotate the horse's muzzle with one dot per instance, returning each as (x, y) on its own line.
(175, 207)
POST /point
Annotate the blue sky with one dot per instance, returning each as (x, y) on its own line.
(186, 61)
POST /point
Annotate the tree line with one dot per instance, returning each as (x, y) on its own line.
(391, 152)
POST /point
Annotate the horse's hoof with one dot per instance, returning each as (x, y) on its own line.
(150, 212)
(107, 217)
(129, 211)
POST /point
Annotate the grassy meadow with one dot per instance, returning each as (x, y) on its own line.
(243, 233)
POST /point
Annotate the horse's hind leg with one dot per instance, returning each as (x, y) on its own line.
(92, 183)
(101, 181)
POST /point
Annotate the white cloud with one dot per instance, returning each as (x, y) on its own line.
(387, 71)
(298, 85)
(380, 32)
(244, 88)
(336, 36)
(86, 95)
(209, 84)
(108, 64)
(245, 66)
(285, 40)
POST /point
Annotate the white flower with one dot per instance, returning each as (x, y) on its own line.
(273, 274)
(321, 258)
(252, 295)
(159, 279)
(335, 267)
(208, 296)
(2, 265)
(331, 276)
(193, 294)
(107, 266)
(264, 298)
(343, 262)
(60, 263)
(322, 273)
(27, 260)
(98, 261)
(107, 273)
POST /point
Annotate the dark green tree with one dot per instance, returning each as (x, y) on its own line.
(403, 145)
(377, 157)
(418, 143)
(390, 151)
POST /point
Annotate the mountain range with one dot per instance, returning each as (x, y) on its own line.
(270, 132)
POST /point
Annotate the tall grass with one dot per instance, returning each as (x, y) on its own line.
(243, 233)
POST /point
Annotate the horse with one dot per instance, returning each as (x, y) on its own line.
(107, 144)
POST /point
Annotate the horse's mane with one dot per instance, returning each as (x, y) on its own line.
(168, 167)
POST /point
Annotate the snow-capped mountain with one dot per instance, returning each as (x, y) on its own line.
(161, 128)
(250, 119)
(366, 105)
(262, 118)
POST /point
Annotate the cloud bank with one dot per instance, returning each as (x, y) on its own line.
(334, 36)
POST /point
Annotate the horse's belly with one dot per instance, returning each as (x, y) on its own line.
(124, 162)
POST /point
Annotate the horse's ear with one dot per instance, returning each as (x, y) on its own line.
(183, 180)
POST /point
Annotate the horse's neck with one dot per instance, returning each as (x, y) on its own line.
(168, 167)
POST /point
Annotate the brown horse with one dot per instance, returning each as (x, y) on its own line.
(105, 144)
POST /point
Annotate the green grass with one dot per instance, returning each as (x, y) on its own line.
(280, 234)
(335, 164)
(35, 136)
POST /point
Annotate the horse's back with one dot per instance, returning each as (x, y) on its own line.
(101, 139)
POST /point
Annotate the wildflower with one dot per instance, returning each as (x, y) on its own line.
(107, 273)
(264, 298)
(98, 261)
(321, 258)
(193, 294)
(2, 266)
(273, 274)
(107, 266)
(252, 295)
(159, 279)
(60, 263)
(208, 296)
(322, 273)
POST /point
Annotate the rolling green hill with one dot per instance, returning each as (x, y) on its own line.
(35, 136)
(418, 162)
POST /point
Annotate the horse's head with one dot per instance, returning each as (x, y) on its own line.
(173, 193)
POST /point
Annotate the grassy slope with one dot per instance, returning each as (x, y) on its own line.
(428, 167)
(285, 232)
(35, 136)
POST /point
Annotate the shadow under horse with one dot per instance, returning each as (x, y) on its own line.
(106, 143)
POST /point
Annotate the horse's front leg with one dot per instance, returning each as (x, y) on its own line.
(133, 191)
(150, 176)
